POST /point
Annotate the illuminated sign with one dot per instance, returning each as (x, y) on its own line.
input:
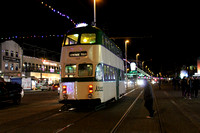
(10, 59)
(198, 65)
(133, 66)
(45, 62)
(78, 54)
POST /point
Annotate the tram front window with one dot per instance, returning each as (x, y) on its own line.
(85, 70)
(72, 39)
(88, 38)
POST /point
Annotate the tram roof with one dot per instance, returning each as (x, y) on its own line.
(87, 29)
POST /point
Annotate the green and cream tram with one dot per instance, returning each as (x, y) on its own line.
(92, 69)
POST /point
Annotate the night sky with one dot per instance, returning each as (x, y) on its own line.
(174, 42)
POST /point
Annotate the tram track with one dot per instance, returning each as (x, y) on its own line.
(78, 118)
(125, 114)
(121, 119)
(44, 116)
(160, 119)
(73, 122)
(68, 125)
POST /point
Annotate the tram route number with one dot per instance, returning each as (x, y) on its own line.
(98, 88)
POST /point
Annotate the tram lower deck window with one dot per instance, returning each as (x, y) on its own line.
(70, 69)
(85, 70)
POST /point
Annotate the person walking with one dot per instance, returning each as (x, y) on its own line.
(196, 87)
(174, 83)
(159, 83)
(183, 86)
(188, 88)
(148, 98)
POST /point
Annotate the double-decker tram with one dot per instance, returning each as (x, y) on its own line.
(92, 69)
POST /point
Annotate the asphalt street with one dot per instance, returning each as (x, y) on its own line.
(40, 112)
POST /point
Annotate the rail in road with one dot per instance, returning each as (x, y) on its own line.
(174, 114)
(84, 121)
(118, 122)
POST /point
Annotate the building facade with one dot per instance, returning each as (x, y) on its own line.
(14, 64)
(11, 55)
(41, 69)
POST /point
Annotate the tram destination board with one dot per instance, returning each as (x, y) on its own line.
(78, 54)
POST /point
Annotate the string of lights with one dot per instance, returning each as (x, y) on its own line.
(32, 36)
(58, 12)
(40, 36)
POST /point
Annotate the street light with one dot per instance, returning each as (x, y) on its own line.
(95, 21)
(137, 66)
(126, 42)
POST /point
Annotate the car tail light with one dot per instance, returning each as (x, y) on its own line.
(90, 88)
(64, 89)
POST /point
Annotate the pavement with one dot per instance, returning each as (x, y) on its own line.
(175, 114)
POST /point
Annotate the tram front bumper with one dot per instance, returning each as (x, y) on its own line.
(81, 102)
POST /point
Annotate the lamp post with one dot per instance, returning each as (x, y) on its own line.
(126, 43)
(137, 66)
(95, 21)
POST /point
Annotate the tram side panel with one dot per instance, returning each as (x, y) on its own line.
(110, 86)
(109, 91)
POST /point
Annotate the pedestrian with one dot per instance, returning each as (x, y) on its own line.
(2, 80)
(196, 87)
(178, 82)
(148, 98)
(183, 86)
(159, 83)
(174, 83)
(188, 88)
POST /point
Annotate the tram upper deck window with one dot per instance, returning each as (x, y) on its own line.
(88, 38)
(85, 70)
(72, 39)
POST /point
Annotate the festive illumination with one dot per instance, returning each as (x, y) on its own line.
(58, 12)
(29, 37)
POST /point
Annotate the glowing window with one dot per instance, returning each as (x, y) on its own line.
(99, 72)
(72, 39)
(88, 38)
(70, 69)
(85, 70)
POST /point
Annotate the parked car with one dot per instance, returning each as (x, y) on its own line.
(45, 87)
(55, 87)
(11, 92)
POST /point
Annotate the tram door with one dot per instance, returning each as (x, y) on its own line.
(117, 82)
